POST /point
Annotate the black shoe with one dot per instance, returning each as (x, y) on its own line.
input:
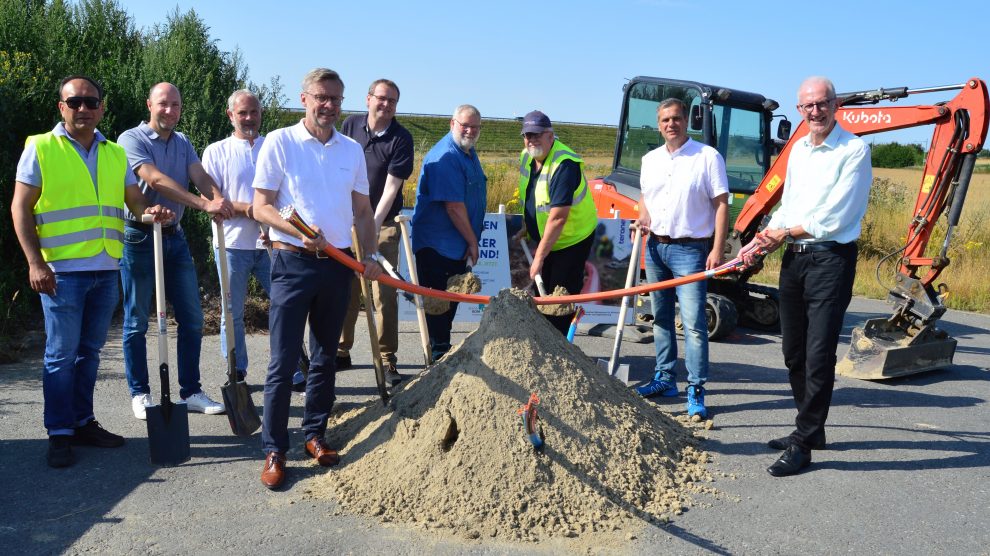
(783, 442)
(342, 362)
(92, 434)
(60, 451)
(791, 462)
(392, 375)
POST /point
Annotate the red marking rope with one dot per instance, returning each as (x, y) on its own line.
(290, 215)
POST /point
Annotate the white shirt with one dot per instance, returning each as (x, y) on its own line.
(230, 163)
(826, 187)
(316, 178)
(678, 188)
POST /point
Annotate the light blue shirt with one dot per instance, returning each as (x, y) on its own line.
(826, 188)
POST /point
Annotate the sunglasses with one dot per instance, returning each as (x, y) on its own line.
(75, 102)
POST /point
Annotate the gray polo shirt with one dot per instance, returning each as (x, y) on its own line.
(172, 157)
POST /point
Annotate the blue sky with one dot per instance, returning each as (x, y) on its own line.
(570, 59)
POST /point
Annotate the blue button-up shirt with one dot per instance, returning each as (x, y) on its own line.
(172, 157)
(448, 175)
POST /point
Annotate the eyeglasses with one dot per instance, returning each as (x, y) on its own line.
(385, 100)
(469, 127)
(75, 102)
(324, 99)
(821, 105)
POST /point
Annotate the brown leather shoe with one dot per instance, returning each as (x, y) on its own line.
(273, 473)
(317, 447)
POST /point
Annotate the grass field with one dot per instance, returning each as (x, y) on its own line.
(884, 228)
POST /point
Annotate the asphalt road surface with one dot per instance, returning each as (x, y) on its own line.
(906, 470)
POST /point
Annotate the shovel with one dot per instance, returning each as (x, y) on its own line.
(610, 366)
(369, 311)
(539, 278)
(168, 423)
(241, 413)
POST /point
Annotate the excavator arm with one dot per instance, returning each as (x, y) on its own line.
(908, 341)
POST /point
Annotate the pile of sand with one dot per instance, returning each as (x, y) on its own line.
(467, 283)
(451, 452)
(560, 309)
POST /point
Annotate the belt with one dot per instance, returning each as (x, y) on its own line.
(812, 247)
(149, 228)
(669, 240)
(299, 250)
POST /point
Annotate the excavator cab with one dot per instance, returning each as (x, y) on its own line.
(736, 123)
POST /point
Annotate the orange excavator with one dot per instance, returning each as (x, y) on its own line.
(738, 125)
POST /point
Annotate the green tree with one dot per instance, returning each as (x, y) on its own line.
(895, 155)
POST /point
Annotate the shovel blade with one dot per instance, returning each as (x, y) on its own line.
(241, 413)
(621, 370)
(168, 433)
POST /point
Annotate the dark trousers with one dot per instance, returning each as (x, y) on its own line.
(566, 268)
(302, 286)
(815, 290)
(434, 269)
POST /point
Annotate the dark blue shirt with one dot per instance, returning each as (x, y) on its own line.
(448, 175)
(388, 153)
(561, 188)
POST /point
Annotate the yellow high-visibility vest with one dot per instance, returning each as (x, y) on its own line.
(73, 222)
(582, 218)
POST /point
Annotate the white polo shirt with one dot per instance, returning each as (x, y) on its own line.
(316, 178)
(678, 188)
(231, 163)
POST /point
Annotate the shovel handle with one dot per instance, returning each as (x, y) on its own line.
(225, 300)
(160, 300)
(424, 334)
(369, 311)
(540, 287)
(624, 306)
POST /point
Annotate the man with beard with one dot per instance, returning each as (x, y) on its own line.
(828, 181)
(230, 163)
(165, 163)
(388, 150)
(322, 174)
(451, 198)
(558, 211)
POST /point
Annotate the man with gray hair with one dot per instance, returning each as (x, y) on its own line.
(322, 174)
(230, 162)
(451, 197)
(827, 186)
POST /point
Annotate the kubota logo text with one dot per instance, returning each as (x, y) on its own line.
(864, 117)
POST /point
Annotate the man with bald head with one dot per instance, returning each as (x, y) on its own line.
(827, 185)
(165, 163)
(68, 210)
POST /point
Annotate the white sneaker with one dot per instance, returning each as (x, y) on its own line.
(138, 403)
(202, 403)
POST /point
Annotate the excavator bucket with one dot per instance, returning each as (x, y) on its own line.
(880, 350)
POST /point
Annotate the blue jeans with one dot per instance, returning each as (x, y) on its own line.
(672, 260)
(77, 318)
(241, 264)
(137, 277)
(303, 286)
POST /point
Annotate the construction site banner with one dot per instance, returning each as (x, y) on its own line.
(502, 263)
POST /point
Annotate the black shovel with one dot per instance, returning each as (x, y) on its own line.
(168, 423)
(241, 413)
